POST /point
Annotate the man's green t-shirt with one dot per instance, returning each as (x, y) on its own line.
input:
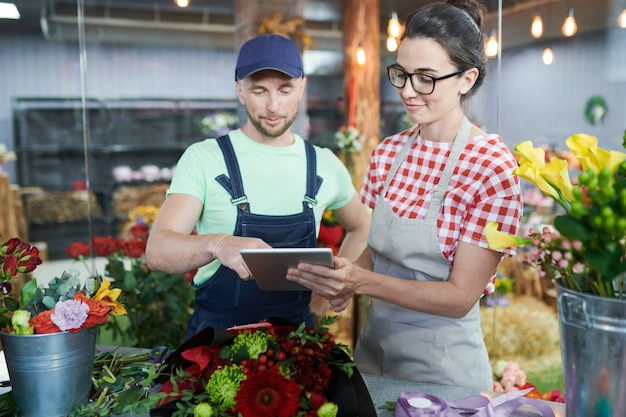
(274, 179)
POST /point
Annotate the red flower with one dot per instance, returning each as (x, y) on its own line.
(105, 246)
(317, 400)
(190, 275)
(133, 248)
(32, 261)
(76, 249)
(11, 244)
(98, 313)
(140, 231)
(554, 395)
(9, 267)
(267, 394)
(534, 393)
(43, 323)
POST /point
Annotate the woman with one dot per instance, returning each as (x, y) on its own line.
(433, 188)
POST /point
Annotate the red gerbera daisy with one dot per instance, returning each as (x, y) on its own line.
(267, 394)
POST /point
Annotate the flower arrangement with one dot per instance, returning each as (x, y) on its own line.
(586, 250)
(156, 300)
(260, 370)
(66, 304)
(349, 139)
(143, 214)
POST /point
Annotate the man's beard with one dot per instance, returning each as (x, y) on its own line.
(270, 134)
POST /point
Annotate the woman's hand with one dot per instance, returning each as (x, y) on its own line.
(336, 285)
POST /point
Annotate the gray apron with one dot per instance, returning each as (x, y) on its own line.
(408, 344)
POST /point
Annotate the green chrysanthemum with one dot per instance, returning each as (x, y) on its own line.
(256, 343)
(223, 386)
(203, 410)
(328, 410)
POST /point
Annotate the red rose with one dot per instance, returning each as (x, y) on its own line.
(76, 249)
(33, 260)
(9, 267)
(11, 244)
(134, 248)
(43, 323)
(105, 246)
(98, 313)
(140, 231)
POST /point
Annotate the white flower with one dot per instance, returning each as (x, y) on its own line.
(349, 139)
(5, 154)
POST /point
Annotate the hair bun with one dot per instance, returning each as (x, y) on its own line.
(471, 7)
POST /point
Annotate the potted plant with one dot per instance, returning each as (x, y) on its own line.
(584, 252)
(48, 332)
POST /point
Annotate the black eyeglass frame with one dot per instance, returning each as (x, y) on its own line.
(409, 76)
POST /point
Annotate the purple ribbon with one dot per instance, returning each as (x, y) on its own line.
(417, 404)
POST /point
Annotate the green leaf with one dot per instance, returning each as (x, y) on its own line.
(28, 292)
(571, 228)
(130, 281)
(11, 303)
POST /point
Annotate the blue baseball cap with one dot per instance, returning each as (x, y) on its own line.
(269, 52)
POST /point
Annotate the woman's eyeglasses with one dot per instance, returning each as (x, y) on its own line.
(422, 83)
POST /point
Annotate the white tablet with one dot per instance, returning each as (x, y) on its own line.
(269, 266)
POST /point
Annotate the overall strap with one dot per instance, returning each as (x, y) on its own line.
(233, 182)
(313, 181)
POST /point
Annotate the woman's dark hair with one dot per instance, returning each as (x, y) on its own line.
(457, 26)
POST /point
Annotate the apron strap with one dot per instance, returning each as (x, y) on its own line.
(313, 181)
(233, 183)
(453, 158)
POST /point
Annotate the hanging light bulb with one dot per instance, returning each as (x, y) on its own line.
(392, 44)
(547, 56)
(621, 20)
(393, 26)
(360, 55)
(491, 49)
(182, 3)
(536, 28)
(569, 25)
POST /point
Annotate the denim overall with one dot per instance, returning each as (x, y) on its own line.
(226, 300)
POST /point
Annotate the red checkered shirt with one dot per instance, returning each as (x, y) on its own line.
(482, 188)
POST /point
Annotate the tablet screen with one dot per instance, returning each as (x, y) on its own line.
(269, 266)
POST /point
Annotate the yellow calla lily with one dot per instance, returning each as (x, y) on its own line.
(109, 297)
(608, 159)
(498, 240)
(529, 154)
(556, 174)
(583, 146)
(532, 173)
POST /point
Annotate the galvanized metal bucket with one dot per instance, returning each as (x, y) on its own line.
(593, 348)
(50, 373)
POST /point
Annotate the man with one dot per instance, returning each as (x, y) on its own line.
(260, 186)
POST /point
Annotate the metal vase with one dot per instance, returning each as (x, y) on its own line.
(50, 373)
(593, 348)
